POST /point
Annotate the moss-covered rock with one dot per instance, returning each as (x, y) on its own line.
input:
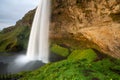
(59, 50)
(87, 54)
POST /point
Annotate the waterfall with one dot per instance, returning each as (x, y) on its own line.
(38, 46)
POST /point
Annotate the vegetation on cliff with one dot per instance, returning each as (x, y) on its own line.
(15, 40)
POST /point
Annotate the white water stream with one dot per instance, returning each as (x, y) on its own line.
(38, 46)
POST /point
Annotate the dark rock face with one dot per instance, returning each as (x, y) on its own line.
(89, 23)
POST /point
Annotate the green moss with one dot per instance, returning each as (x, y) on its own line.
(59, 50)
(78, 67)
(88, 54)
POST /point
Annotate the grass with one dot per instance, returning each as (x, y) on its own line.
(78, 68)
(75, 70)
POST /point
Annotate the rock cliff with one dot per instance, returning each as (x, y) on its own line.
(93, 21)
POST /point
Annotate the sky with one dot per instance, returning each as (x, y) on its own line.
(13, 10)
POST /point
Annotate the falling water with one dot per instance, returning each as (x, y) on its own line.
(38, 48)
